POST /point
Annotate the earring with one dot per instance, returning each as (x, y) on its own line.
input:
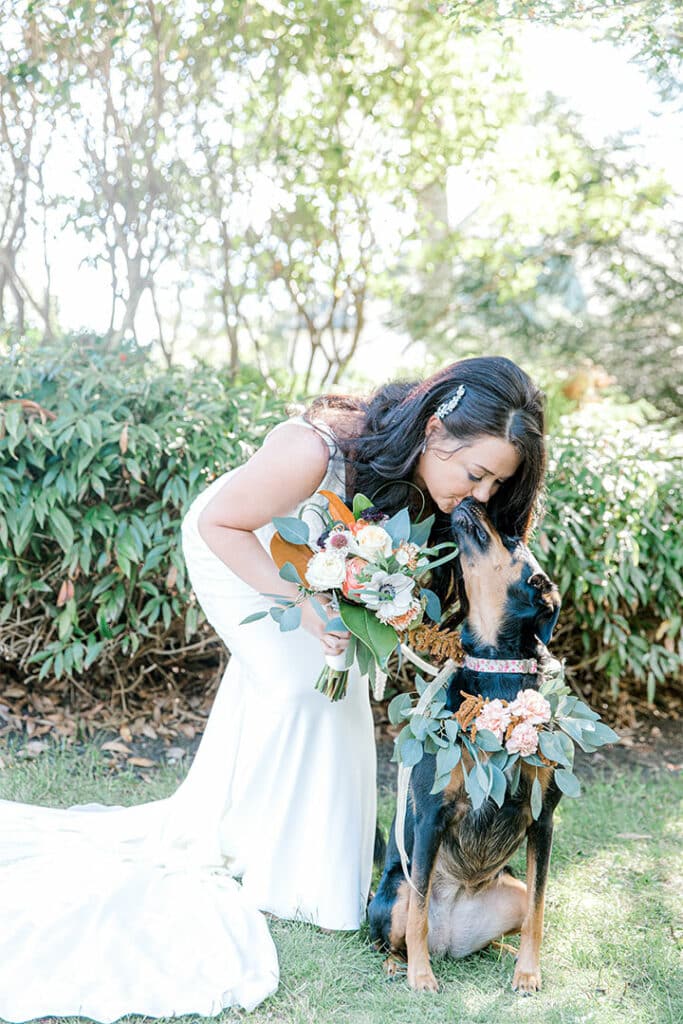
(424, 446)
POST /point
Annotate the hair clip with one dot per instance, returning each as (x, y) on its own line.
(450, 405)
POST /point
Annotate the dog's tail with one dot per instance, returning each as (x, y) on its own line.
(380, 851)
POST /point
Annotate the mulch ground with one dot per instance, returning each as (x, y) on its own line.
(162, 720)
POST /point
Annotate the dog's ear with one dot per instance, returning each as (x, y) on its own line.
(548, 605)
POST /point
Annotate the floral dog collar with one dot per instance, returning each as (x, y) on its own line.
(528, 665)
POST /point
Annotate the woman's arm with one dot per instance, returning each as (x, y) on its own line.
(289, 467)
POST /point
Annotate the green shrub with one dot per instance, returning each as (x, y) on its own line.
(612, 538)
(97, 465)
(96, 475)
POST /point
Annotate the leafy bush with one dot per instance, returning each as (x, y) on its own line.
(100, 455)
(612, 538)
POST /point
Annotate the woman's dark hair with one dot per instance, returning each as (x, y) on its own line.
(381, 438)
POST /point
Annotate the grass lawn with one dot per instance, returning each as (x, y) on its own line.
(613, 946)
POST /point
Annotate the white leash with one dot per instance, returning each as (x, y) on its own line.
(403, 780)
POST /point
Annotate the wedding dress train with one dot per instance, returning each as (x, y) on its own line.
(156, 909)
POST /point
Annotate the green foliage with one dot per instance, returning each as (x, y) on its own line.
(96, 475)
(100, 455)
(612, 538)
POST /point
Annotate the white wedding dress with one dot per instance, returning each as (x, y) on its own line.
(108, 911)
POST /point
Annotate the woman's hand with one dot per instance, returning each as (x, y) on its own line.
(332, 642)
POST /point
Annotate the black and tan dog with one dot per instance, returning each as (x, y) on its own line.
(463, 896)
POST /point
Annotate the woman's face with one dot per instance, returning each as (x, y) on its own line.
(450, 470)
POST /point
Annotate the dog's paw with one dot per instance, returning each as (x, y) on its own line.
(422, 981)
(395, 966)
(526, 981)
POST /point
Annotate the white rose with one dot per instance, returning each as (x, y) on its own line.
(371, 542)
(325, 570)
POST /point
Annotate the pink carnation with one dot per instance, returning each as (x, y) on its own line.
(523, 740)
(495, 717)
(531, 707)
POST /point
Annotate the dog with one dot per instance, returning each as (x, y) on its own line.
(464, 896)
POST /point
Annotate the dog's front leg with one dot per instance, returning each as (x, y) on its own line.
(425, 846)
(527, 976)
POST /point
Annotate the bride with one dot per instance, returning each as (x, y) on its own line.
(158, 909)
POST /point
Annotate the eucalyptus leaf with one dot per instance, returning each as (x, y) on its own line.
(335, 625)
(452, 727)
(318, 609)
(486, 740)
(290, 573)
(290, 619)
(440, 783)
(500, 758)
(398, 707)
(581, 710)
(430, 744)
(475, 791)
(419, 532)
(253, 618)
(433, 606)
(419, 726)
(291, 529)
(411, 752)
(602, 734)
(514, 774)
(483, 776)
(556, 747)
(447, 759)
(498, 785)
(567, 782)
(398, 527)
(536, 799)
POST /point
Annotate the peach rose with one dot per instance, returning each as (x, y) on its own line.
(351, 584)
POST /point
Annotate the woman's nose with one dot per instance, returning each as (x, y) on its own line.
(482, 491)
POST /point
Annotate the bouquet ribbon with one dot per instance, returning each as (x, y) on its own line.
(441, 676)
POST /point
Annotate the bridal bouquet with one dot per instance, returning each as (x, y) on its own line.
(372, 570)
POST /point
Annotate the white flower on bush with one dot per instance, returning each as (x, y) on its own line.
(388, 594)
(325, 570)
(371, 542)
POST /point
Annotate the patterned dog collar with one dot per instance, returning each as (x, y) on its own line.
(527, 665)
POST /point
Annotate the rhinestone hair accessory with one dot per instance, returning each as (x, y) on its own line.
(450, 405)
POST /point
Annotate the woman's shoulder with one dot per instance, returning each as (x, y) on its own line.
(296, 443)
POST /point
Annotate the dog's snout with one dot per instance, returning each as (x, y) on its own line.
(468, 520)
(466, 513)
